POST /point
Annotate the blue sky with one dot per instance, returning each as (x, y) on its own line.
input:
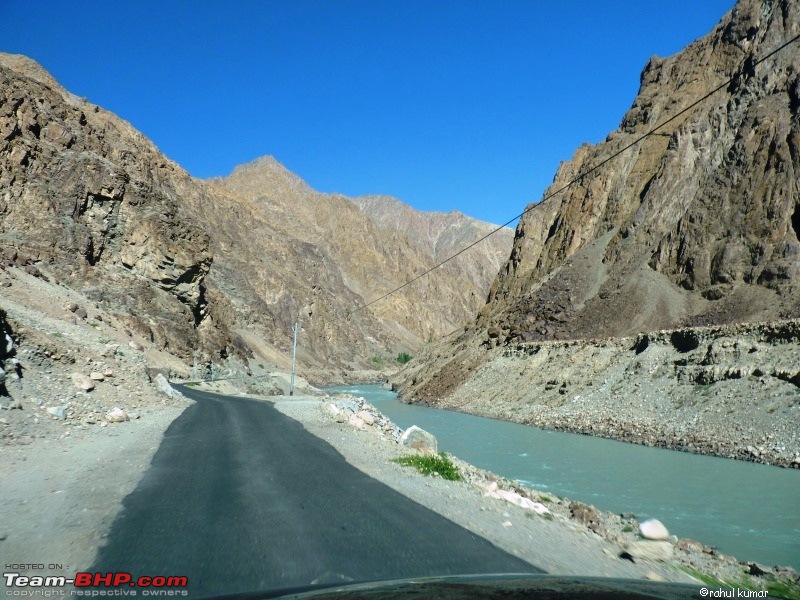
(466, 105)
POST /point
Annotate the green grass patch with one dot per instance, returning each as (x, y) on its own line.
(103, 341)
(95, 325)
(57, 334)
(377, 361)
(628, 529)
(404, 357)
(784, 589)
(545, 499)
(428, 464)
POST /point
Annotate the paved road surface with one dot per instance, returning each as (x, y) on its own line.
(240, 497)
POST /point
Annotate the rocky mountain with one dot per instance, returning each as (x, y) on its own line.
(372, 257)
(697, 225)
(85, 195)
(442, 235)
(218, 271)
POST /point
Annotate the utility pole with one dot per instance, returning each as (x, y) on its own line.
(294, 356)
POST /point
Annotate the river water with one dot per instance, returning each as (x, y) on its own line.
(748, 510)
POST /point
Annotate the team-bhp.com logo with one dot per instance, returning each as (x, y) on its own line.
(87, 584)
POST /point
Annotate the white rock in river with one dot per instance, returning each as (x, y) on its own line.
(653, 530)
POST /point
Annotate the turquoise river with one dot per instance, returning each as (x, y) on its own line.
(748, 510)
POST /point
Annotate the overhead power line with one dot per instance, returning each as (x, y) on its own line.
(581, 176)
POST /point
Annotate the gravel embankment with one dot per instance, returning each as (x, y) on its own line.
(564, 538)
(729, 391)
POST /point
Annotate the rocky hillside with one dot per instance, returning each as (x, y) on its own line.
(442, 235)
(88, 196)
(218, 271)
(697, 225)
(370, 256)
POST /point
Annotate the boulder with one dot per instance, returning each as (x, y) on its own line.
(420, 440)
(584, 513)
(355, 421)
(653, 529)
(58, 412)
(135, 345)
(689, 545)
(366, 417)
(163, 386)
(82, 382)
(96, 376)
(647, 550)
(349, 404)
(117, 415)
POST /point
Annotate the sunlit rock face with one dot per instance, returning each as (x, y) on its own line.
(696, 225)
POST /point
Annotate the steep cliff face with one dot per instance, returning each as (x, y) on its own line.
(697, 225)
(88, 195)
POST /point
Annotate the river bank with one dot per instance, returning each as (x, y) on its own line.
(732, 392)
(569, 538)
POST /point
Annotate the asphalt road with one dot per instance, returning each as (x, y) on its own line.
(240, 497)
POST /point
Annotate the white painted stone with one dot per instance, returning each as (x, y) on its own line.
(163, 386)
(653, 530)
(420, 440)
